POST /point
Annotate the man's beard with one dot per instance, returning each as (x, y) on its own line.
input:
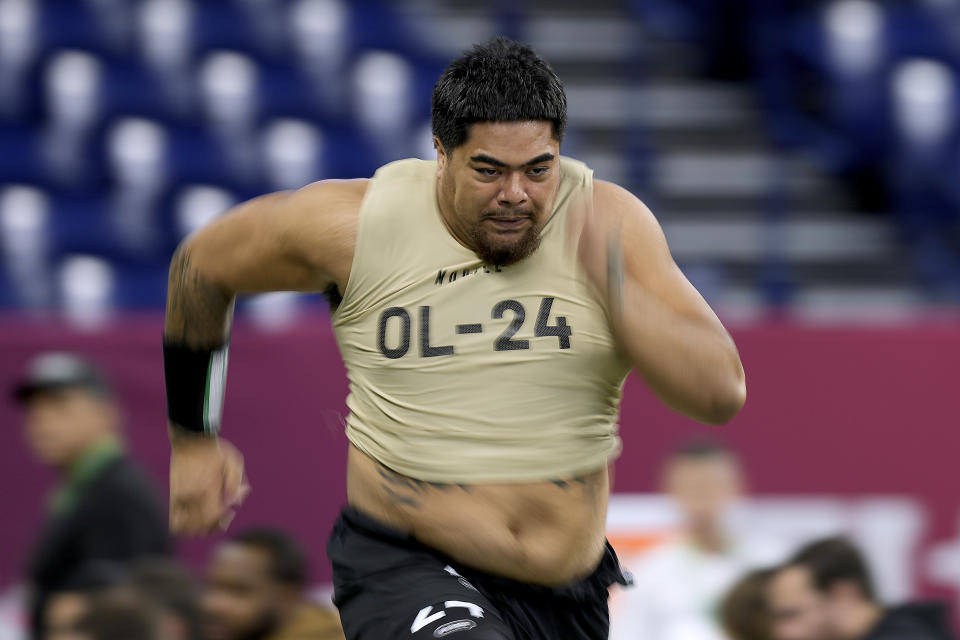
(491, 248)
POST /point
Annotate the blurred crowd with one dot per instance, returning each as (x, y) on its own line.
(713, 580)
(824, 592)
(253, 589)
(101, 568)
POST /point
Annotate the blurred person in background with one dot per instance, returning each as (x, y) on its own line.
(743, 610)
(104, 507)
(70, 602)
(121, 614)
(825, 592)
(478, 469)
(173, 592)
(678, 584)
(254, 590)
(159, 584)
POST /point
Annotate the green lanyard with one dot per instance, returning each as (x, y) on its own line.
(81, 472)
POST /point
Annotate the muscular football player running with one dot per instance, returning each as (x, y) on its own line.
(488, 306)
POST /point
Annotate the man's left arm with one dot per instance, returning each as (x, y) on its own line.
(663, 324)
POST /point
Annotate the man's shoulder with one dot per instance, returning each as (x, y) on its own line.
(611, 196)
(333, 195)
(914, 621)
(121, 482)
(407, 169)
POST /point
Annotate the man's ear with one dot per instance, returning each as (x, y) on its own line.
(442, 158)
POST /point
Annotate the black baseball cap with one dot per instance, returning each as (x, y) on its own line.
(55, 371)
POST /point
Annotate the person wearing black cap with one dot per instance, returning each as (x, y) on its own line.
(104, 507)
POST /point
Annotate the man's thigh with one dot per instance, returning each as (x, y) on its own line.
(421, 600)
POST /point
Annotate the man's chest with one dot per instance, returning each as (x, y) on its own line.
(476, 309)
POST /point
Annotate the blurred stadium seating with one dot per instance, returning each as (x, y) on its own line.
(761, 133)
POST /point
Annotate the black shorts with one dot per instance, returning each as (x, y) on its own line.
(388, 586)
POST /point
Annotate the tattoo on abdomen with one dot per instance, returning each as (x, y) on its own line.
(404, 490)
(588, 482)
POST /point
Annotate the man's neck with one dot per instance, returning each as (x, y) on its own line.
(862, 620)
(449, 219)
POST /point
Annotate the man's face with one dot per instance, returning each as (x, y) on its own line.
(62, 424)
(62, 613)
(704, 488)
(797, 610)
(500, 187)
(242, 601)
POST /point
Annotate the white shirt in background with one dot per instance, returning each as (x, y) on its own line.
(678, 587)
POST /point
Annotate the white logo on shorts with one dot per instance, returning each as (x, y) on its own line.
(460, 578)
(426, 615)
(453, 627)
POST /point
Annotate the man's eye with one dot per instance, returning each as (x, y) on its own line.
(539, 171)
(486, 172)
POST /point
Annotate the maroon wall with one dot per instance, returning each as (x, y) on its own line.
(845, 412)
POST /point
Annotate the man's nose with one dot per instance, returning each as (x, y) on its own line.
(513, 191)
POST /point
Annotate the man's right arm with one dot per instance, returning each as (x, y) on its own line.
(288, 241)
(292, 241)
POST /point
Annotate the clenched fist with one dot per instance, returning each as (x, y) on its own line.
(207, 483)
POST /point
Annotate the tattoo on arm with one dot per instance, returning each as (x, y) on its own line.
(615, 272)
(198, 312)
(405, 490)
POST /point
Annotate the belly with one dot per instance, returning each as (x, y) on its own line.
(549, 532)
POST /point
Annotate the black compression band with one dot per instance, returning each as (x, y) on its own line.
(196, 380)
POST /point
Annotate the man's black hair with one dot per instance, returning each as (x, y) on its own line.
(834, 560)
(120, 615)
(94, 576)
(288, 563)
(499, 81)
(169, 586)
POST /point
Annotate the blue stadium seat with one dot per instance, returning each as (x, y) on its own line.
(19, 42)
(250, 96)
(20, 160)
(25, 239)
(196, 205)
(293, 153)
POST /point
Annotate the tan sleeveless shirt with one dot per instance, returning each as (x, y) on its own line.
(466, 372)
